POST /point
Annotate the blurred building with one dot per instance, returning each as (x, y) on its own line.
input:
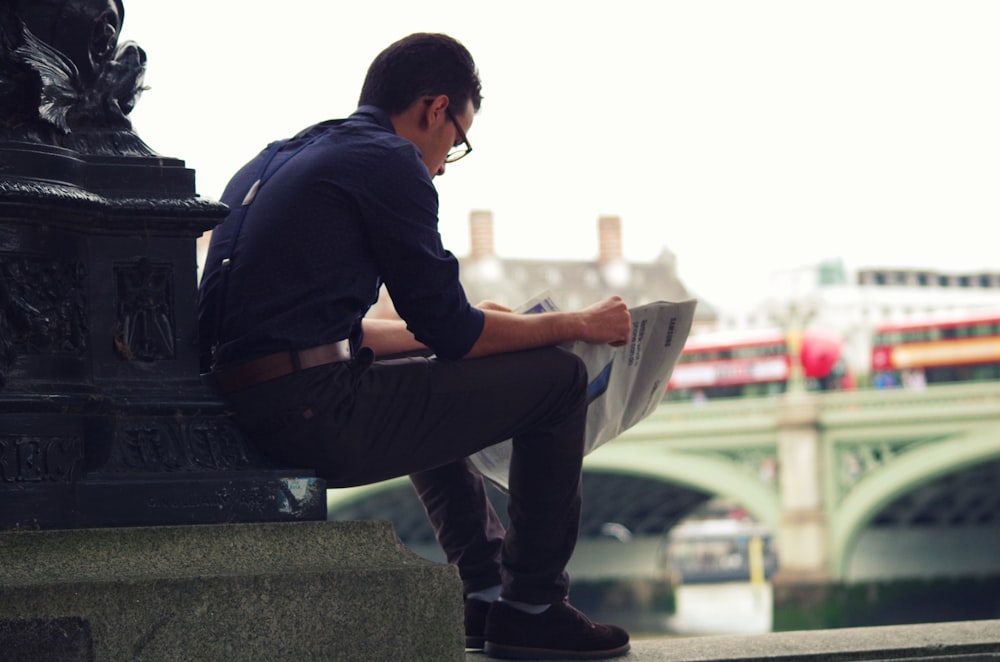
(574, 284)
(853, 302)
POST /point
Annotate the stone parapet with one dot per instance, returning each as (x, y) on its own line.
(271, 591)
(968, 641)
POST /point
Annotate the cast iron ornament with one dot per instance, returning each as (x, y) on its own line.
(65, 80)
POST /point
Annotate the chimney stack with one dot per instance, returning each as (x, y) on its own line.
(481, 234)
(609, 233)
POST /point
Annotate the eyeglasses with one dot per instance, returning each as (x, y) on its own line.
(461, 148)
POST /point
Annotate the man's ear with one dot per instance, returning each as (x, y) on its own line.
(435, 112)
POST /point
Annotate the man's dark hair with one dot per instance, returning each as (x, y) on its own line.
(422, 65)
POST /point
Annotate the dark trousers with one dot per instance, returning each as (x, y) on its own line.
(359, 423)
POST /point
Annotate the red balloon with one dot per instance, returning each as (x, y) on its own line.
(820, 352)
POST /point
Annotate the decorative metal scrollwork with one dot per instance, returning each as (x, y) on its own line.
(38, 459)
(65, 80)
(169, 445)
(42, 309)
(145, 303)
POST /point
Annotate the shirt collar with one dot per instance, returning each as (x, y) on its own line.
(376, 114)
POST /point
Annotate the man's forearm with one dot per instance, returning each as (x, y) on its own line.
(511, 332)
(607, 321)
(388, 337)
(502, 332)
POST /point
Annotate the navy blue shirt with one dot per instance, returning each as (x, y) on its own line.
(344, 206)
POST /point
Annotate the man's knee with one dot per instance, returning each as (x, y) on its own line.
(569, 367)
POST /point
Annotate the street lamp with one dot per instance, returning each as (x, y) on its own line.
(793, 320)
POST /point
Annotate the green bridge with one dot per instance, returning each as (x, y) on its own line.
(821, 469)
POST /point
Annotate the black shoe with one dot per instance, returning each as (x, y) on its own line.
(475, 622)
(559, 633)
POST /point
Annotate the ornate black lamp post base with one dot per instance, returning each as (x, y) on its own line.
(103, 418)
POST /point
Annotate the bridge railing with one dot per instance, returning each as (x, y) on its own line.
(682, 421)
(934, 402)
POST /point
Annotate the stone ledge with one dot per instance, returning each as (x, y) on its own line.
(270, 592)
(117, 554)
(968, 641)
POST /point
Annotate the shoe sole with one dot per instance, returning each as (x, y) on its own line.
(474, 643)
(505, 652)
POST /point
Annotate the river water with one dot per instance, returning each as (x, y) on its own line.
(731, 608)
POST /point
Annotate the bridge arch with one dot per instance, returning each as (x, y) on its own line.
(343, 496)
(708, 474)
(904, 474)
(712, 475)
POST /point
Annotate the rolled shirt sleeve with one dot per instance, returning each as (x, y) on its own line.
(399, 206)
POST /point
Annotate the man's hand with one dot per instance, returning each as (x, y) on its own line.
(607, 321)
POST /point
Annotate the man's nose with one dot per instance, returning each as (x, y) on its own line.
(440, 171)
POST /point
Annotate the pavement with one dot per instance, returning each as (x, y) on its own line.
(967, 641)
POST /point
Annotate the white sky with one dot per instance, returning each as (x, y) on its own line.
(745, 136)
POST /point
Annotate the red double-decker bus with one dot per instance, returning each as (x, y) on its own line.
(953, 349)
(753, 363)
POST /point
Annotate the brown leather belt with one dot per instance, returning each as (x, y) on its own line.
(273, 366)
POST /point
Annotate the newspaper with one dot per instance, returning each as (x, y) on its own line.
(625, 384)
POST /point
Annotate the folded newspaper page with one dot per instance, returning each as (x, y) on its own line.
(626, 383)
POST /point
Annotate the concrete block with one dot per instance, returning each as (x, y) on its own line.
(271, 591)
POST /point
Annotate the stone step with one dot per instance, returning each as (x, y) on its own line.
(330, 591)
(968, 641)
